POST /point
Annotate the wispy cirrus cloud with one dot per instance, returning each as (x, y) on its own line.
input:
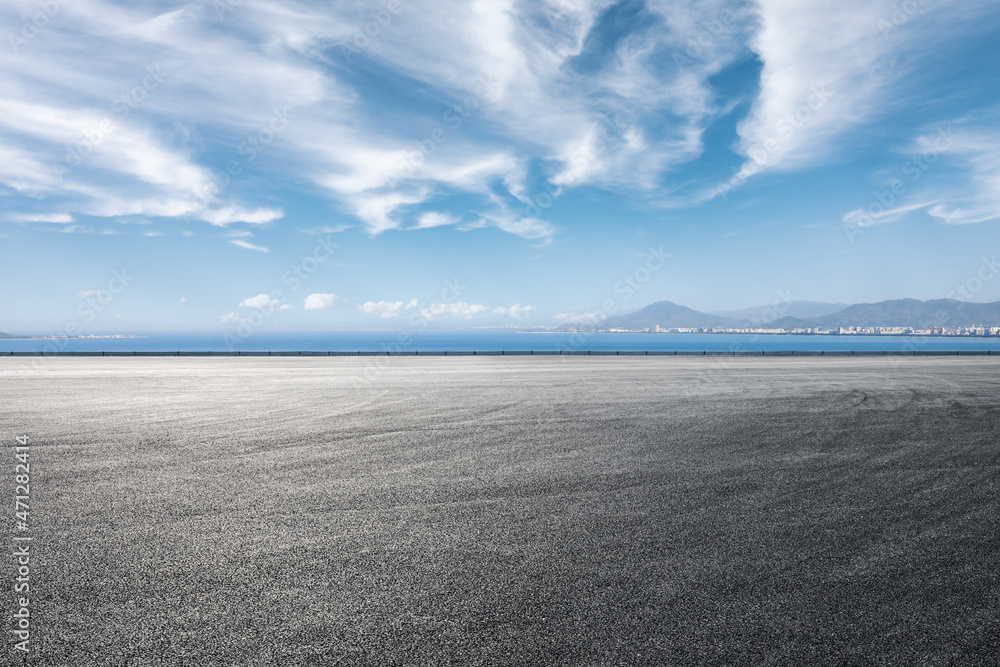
(52, 218)
(436, 219)
(975, 149)
(514, 83)
(246, 245)
(953, 171)
(232, 214)
(474, 104)
(828, 71)
(861, 217)
(820, 77)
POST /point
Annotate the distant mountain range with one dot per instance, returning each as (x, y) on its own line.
(799, 309)
(5, 335)
(810, 314)
(904, 313)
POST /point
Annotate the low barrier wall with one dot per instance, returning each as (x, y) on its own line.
(497, 353)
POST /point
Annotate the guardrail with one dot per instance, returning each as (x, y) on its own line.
(496, 353)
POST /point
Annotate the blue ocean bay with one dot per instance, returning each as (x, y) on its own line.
(435, 341)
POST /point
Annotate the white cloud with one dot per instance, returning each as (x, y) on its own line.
(820, 76)
(974, 149)
(828, 71)
(323, 301)
(516, 311)
(386, 309)
(231, 317)
(530, 53)
(117, 139)
(328, 229)
(509, 67)
(877, 214)
(529, 228)
(91, 294)
(527, 88)
(56, 218)
(24, 172)
(261, 302)
(380, 212)
(158, 178)
(249, 246)
(182, 301)
(954, 215)
(969, 147)
(456, 309)
(513, 223)
(505, 68)
(81, 229)
(436, 219)
(230, 214)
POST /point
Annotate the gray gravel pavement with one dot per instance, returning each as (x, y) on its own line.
(509, 511)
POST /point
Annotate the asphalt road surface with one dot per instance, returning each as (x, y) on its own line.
(507, 511)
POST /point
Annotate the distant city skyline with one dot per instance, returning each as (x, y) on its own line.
(301, 166)
(904, 317)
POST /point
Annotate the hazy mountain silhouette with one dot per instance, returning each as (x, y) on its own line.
(767, 312)
(894, 313)
(904, 313)
(666, 314)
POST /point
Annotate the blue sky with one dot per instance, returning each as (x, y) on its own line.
(316, 166)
